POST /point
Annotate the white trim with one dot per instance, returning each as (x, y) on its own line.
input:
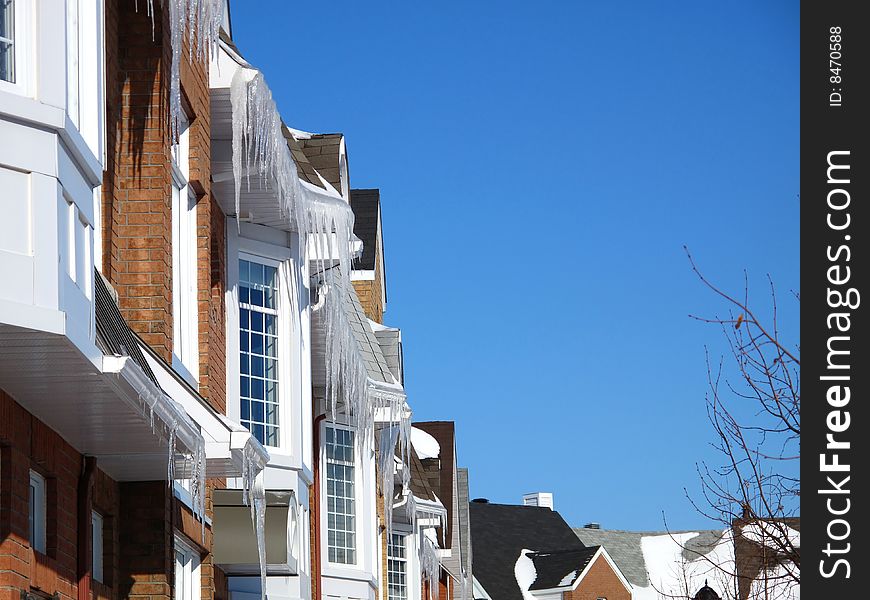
(185, 261)
(97, 557)
(23, 42)
(188, 585)
(37, 511)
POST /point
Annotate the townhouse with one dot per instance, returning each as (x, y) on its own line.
(198, 395)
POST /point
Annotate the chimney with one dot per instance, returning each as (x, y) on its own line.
(592, 526)
(542, 499)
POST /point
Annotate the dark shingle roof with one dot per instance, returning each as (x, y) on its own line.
(304, 168)
(419, 484)
(499, 534)
(114, 336)
(323, 152)
(366, 205)
(561, 568)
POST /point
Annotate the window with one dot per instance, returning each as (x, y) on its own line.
(7, 41)
(397, 567)
(187, 582)
(97, 546)
(185, 313)
(258, 350)
(37, 511)
(340, 495)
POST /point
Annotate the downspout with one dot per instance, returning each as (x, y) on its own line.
(83, 528)
(315, 574)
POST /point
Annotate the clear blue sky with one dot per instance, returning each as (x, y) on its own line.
(541, 166)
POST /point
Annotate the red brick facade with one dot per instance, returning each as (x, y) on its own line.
(27, 444)
(599, 582)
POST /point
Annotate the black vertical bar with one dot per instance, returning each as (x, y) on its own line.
(835, 222)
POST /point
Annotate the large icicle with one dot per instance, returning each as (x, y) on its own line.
(202, 19)
(254, 495)
(430, 565)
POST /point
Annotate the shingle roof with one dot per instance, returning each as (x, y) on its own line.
(419, 484)
(389, 339)
(114, 336)
(499, 534)
(366, 205)
(370, 349)
(304, 168)
(561, 568)
(625, 549)
(323, 152)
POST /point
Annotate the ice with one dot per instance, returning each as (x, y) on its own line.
(430, 565)
(254, 495)
(202, 20)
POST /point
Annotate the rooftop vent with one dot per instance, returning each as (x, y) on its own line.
(542, 499)
(592, 526)
(481, 500)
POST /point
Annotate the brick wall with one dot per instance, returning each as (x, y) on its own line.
(136, 188)
(28, 444)
(137, 205)
(600, 582)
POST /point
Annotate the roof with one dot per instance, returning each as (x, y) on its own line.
(324, 153)
(304, 168)
(464, 527)
(499, 534)
(114, 336)
(390, 340)
(625, 548)
(366, 205)
(369, 348)
(419, 484)
(560, 568)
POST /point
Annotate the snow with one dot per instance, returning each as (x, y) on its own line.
(767, 534)
(671, 574)
(568, 579)
(525, 573)
(424, 444)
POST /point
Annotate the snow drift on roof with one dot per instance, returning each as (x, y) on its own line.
(424, 444)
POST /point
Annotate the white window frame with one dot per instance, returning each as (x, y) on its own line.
(38, 510)
(188, 585)
(359, 513)
(401, 568)
(21, 46)
(283, 345)
(97, 558)
(185, 292)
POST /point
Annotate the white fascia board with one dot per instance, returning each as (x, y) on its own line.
(362, 275)
(224, 438)
(132, 383)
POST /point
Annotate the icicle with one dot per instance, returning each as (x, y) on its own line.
(430, 565)
(170, 467)
(254, 495)
(202, 19)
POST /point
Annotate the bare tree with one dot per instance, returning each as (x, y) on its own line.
(753, 405)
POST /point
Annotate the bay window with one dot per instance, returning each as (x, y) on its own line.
(341, 495)
(258, 350)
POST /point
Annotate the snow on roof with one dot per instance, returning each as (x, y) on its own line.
(424, 444)
(525, 573)
(767, 534)
(671, 573)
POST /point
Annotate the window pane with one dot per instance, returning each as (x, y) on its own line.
(7, 35)
(340, 473)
